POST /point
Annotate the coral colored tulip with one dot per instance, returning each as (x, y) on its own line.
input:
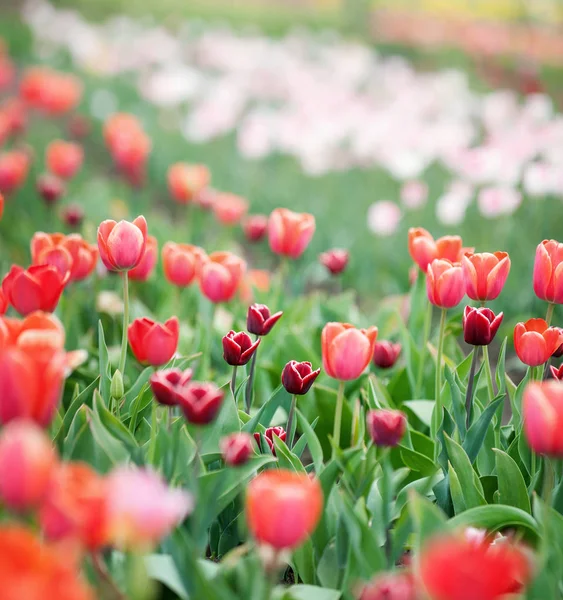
(186, 181)
(15, 112)
(36, 288)
(229, 209)
(453, 568)
(236, 449)
(557, 372)
(268, 435)
(167, 384)
(283, 508)
(255, 227)
(386, 427)
(238, 348)
(200, 402)
(220, 276)
(148, 262)
(335, 260)
(255, 279)
(535, 341)
(399, 585)
(181, 262)
(122, 245)
(385, 354)
(259, 319)
(4, 304)
(50, 188)
(548, 271)
(444, 283)
(14, 166)
(153, 343)
(480, 325)
(559, 351)
(73, 215)
(543, 417)
(50, 91)
(142, 509)
(298, 377)
(64, 159)
(128, 144)
(424, 249)
(289, 233)
(485, 274)
(1, 206)
(27, 460)
(346, 350)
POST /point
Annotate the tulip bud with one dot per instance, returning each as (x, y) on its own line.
(73, 215)
(200, 402)
(166, 385)
(50, 187)
(557, 372)
(559, 352)
(220, 275)
(259, 320)
(346, 350)
(386, 427)
(543, 417)
(535, 342)
(269, 437)
(147, 263)
(480, 325)
(255, 227)
(289, 233)
(27, 460)
(181, 262)
(485, 274)
(548, 278)
(335, 260)
(116, 389)
(122, 245)
(298, 377)
(444, 283)
(64, 159)
(236, 449)
(229, 208)
(153, 343)
(399, 585)
(238, 348)
(385, 354)
(79, 126)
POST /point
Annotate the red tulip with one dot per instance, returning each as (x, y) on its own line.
(181, 262)
(1, 206)
(535, 341)
(557, 372)
(399, 585)
(4, 304)
(236, 449)
(255, 227)
(185, 181)
(386, 427)
(122, 245)
(335, 260)
(73, 215)
(229, 209)
(220, 276)
(424, 249)
(14, 166)
(153, 343)
(238, 348)
(559, 352)
(144, 269)
(283, 508)
(167, 384)
(128, 144)
(298, 377)
(36, 288)
(64, 159)
(289, 233)
(200, 402)
(346, 350)
(269, 437)
(548, 269)
(50, 188)
(485, 274)
(543, 417)
(15, 113)
(50, 91)
(385, 354)
(480, 325)
(260, 321)
(27, 461)
(444, 283)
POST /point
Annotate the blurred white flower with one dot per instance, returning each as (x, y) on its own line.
(384, 217)
(414, 193)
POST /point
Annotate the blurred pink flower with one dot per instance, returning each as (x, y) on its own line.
(384, 217)
(414, 193)
(497, 201)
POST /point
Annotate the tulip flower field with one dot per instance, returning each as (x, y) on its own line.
(227, 371)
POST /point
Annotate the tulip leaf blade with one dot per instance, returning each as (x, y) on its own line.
(478, 431)
(470, 485)
(511, 485)
(103, 357)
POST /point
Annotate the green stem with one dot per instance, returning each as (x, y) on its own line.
(234, 384)
(250, 382)
(338, 417)
(387, 498)
(426, 334)
(290, 419)
(548, 480)
(549, 313)
(105, 577)
(489, 373)
(123, 355)
(439, 355)
(469, 394)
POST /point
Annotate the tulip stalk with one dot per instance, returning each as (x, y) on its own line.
(290, 419)
(488, 372)
(438, 383)
(250, 382)
(426, 334)
(470, 383)
(387, 498)
(338, 417)
(123, 355)
(105, 577)
(549, 313)
(234, 384)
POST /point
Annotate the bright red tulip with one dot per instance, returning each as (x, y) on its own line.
(148, 262)
(153, 343)
(122, 245)
(485, 274)
(200, 402)
(64, 159)
(238, 348)
(220, 276)
(181, 262)
(255, 227)
(480, 325)
(335, 260)
(444, 283)
(229, 209)
(50, 91)
(543, 417)
(4, 304)
(424, 249)
(167, 384)
(14, 166)
(399, 585)
(283, 508)
(385, 354)
(186, 181)
(535, 341)
(268, 435)
(289, 233)
(236, 449)
(548, 271)
(50, 187)
(259, 319)
(346, 350)
(386, 427)
(298, 377)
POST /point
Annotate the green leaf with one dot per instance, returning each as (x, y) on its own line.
(470, 484)
(161, 567)
(500, 374)
(312, 440)
(103, 357)
(458, 407)
(421, 409)
(83, 398)
(305, 592)
(478, 431)
(416, 461)
(427, 518)
(511, 485)
(496, 517)
(267, 410)
(107, 443)
(286, 458)
(456, 491)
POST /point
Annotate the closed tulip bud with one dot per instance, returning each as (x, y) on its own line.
(116, 388)
(259, 319)
(424, 249)
(543, 417)
(269, 437)
(298, 377)
(289, 233)
(186, 181)
(79, 126)
(335, 260)
(557, 372)
(385, 354)
(444, 283)
(295, 498)
(122, 245)
(153, 343)
(220, 276)
(548, 271)
(346, 351)
(535, 341)
(559, 352)
(236, 449)
(480, 325)
(14, 166)
(181, 262)
(167, 384)
(50, 188)
(386, 427)
(255, 227)
(64, 159)
(200, 402)
(485, 274)
(238, 348)
(35, 288)
(148, 262)
(229, 209)
(399, 585)
(27, 461)
(73, 215)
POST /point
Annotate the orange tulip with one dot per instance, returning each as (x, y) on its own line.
(424, 249)
(144, 269)
(347, 351)
(255, 279)
(14, 166)
(535, 341)
(64, 159)
(289, 233)
(229, 209)
(181, 262)
(122, 245)
(485, 274)
(543, 417)
(220, 276)
(548, 271)
(444, 283)
(186, 181)
(50, 91)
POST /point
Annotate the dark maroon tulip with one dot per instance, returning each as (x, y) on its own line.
(269, 435)
(73, 215)
(386, 426)
(298, 377)
(255, 227)
(385, 354)
(259, 320)
(335, 260)
(557, 372)
(559, 352)
(50, 187)
(238, 348)
(167, 384)
(236, 448)
(200, 402)
(480, 325)
(399, 585)
(79, 126)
